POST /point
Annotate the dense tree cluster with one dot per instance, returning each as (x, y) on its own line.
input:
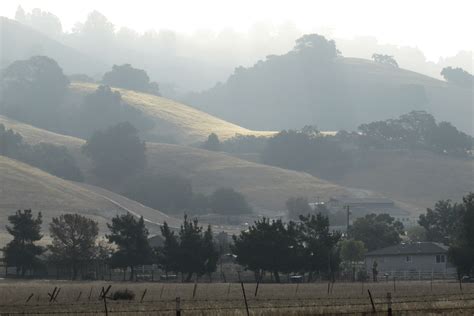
(385, 60)
(51, 158)
(125, 76)
(33, 90)
(377, 231)
(277, 247)
(117, 152)
(306, 151)
(415, 130)
(190, 252)
(458, 76)
(75, 245)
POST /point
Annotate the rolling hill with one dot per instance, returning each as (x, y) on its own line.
(23, 186)
(294, 90)
(184, 123)
(266, 188)
(21, 42)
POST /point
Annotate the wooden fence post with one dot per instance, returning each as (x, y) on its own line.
(29, 298)
(143, 296)
(245, 298)
(104, 297)
(256, 289)
(394, 287)
(389, 303)
(195, 288)
(371, 301)
(178, 306)
(162, 289)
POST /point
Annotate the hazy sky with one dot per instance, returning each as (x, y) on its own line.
(437, 27)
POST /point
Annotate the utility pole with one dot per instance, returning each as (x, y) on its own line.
(348, 213)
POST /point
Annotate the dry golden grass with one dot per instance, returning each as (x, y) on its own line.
(415, 297)
(185, 123)
(24, 187)
(417, 178)
(266, 187)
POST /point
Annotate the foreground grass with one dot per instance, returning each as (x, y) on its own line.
(408, 298)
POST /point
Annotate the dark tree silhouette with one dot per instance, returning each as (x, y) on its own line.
(297, 206)
(116, 152)
(376, 231)
(74, 241)
(131, 237)
(125, 76)
(442, 223)
(212, 143)
(385, 60)
(32, 90)
(457, 76)
(22, 252)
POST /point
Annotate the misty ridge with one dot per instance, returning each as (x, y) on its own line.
(192, 62)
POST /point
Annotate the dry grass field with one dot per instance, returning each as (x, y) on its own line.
(23, 186)
(186, 124)
(266, 187)
(82, 298)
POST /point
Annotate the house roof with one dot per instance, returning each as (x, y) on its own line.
(415, 248)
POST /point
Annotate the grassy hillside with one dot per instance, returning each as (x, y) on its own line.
(290, 91)
(183, 123)
(419, 178)
(267, 188)
(23, 186)
(18, 41)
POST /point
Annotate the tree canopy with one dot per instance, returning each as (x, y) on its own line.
(32, 90)
(22, 252)
(385, 60)
(116, 152)
(131, 237)
(376, 231)
(125, 76)
(229, 202)
(74, 240)
(457, 76)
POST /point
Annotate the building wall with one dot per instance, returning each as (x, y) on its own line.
(415, 263)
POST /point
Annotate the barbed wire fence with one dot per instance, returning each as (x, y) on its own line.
(102, 304)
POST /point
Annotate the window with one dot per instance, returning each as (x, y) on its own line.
(408, 259)
(440, 258)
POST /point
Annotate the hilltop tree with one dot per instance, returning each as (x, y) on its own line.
(316, 45)
(117, 152)
(32, 90)
(22, 252)
(131, 237)
(457, 76)
(385, 60)
(125, 76)
(376, 231)
(74, 238)
(212, 143)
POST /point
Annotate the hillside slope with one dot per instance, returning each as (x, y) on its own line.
(291, 91)
(23, 186)
(21, 42)
(183, 123)
(267, 188)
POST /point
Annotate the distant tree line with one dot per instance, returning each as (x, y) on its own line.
(330, 156)
(75, 245)
(51, 158)
(305, 246)
(458, 76)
